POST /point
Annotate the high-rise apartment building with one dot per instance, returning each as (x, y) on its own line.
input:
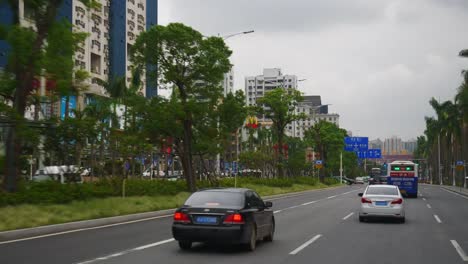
(112, 28)
(228, 82)
(257, 86)
(312, 107)
(376, 144)
(392, 146)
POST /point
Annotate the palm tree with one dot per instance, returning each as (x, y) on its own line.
(461, 100)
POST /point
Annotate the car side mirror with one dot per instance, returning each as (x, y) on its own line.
(268, 204)
(360, 194)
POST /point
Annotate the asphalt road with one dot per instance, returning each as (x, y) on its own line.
(316, 227)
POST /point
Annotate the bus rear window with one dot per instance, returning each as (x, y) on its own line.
(402, 167)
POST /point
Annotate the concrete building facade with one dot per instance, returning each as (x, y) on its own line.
(312, 107)
(112, 28)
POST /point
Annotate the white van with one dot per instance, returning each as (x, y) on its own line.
(63, 174)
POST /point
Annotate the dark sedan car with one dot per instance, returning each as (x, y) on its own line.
(227, 215)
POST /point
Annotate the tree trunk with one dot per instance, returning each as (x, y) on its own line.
(78, 148)
(280, 155)
(187, 157)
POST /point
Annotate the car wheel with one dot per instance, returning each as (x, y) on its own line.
(185, 245)
(269, 237)
(402, 220)
(362, 219)
(252, 244)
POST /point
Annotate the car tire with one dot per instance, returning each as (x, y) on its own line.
(402, 220)
(252, 243)
(362, 219)
(185, 245)
(271, 235)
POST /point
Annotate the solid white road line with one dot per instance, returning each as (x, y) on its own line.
(459, 249)
(348, 216)
(147, 219)
(309, 203)
(462, 196)
(438, 219)
(84, 229)
(428, 206)
(277, 211)
(301, 247)
(424, 199)
(126, 251)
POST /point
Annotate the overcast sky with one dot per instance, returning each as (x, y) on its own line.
(378, 62)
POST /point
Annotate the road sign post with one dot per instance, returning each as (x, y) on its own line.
(318, 164)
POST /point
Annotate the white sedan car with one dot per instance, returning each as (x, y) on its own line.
(382, 201)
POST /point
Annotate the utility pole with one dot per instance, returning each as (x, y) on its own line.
(453, 175)
(341, 167)
(438, 156)
(464, 174)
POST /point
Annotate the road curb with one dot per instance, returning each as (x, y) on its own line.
(453, 190)
(102, 222)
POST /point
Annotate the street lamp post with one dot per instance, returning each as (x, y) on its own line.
(239, 33)
(218, 156)
(463, 53)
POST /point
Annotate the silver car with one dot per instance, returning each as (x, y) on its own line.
(382, 201)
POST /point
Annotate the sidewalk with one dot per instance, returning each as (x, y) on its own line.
(460, 190)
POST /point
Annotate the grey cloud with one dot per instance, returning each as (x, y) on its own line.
(378, 62)
(215, 16)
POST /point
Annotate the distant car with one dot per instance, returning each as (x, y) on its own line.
(148, 172)
(359, 180)
(382, 201)
(224, 215)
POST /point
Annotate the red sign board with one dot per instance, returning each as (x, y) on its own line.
(401, 174)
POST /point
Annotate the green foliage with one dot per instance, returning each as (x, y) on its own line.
(328, 139)
(281, 104)
(50, 192)
(193, 66)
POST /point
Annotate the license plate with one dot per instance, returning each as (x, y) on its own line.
(206, 220)
(380, 203)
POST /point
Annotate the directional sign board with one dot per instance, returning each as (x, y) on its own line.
(460, 164)
(374, 154)
(369, 154)
(356, 143)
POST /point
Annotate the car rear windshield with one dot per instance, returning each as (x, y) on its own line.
(216, 199)
(382, 191)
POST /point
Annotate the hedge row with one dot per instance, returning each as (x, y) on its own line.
(56, 193)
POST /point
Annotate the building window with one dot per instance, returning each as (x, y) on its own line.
(96, 18)
(80, 23)
(95, 63)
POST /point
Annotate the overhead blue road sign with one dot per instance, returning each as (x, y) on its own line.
(356, 143)
(361, 154)
(374, 154)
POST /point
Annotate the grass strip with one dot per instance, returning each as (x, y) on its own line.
(27, 215)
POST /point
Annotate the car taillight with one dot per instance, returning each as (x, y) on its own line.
(180, 217)
(397, 201)
(365, 200)
(234, 219)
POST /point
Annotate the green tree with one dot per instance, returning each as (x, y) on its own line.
(327, 139)
(232, 113)
(280, 105)
(190, 64)
(34, 53)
